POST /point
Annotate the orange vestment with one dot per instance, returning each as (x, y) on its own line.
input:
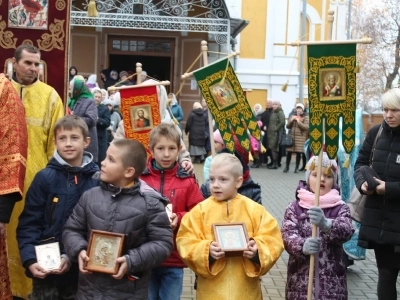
(13, 154)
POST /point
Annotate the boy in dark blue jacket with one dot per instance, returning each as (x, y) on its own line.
(50, 200)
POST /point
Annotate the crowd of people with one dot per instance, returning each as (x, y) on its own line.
(77, 180)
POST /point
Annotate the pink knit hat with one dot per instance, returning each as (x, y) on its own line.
(218, 137)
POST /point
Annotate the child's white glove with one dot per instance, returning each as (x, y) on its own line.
(317, 217)
(311, 246)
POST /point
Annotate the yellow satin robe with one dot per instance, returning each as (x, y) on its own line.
(43, 107)
(229, 278)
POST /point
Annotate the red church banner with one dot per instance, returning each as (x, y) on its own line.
(43, 24)
(140, 111)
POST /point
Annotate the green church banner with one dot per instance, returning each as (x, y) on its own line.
(227, 103)
(332, 95)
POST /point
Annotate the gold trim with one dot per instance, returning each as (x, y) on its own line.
(346, 107)
(60, 5)
(13, 158)
(28, 42)
(6, 37)
(331, 150)
(54, 40)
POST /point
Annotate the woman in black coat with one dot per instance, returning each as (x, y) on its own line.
(195, 127)
(380, 225)
(103, 122)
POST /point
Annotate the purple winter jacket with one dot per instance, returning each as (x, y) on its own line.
(296, 228)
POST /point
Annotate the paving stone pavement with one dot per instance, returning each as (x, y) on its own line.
(278, 190)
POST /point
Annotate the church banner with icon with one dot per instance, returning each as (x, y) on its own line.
(140, 111)
(43, 24)
(332, 95)
(227, 103)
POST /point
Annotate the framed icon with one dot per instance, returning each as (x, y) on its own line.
(141, 117)
(223, 94)
(232, 237)
(168, 210)
(332, 84)
(103, 250)
(48, 256)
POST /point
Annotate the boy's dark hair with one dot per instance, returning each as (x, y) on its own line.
(133, 154)
(71, 121)
(167, 130)
(27, 48)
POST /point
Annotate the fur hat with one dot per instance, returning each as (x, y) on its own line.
(218, 137)
(326, 163)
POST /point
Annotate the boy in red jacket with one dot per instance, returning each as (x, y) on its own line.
(164, 174)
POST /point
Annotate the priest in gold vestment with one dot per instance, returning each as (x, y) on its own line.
(13, 152)
(43, 107)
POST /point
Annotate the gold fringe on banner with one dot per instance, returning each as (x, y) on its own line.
(346, 163)
(263, 150)
(357, 69)
(92, 10)
(284, 87)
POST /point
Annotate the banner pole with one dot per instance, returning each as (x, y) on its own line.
(139, 73)
(314, 232)
(204, 49)
(188, 75)
(126, 87)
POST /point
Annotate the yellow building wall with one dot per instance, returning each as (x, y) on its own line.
(252, 38)
(257, 96)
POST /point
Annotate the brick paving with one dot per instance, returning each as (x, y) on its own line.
(278, 190)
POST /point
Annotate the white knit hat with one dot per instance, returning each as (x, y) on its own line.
(326, 162)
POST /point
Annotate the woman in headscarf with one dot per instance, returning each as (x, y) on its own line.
(104, 76)
(112, 80)
(83, 105)
(92, 82)
(258, 111)
(176, 109)
(72, 72)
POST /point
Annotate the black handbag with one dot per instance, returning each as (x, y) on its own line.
(286, 139)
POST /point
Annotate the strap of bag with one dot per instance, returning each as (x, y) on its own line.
(371, 156)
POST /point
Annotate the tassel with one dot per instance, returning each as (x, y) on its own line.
(328, 170)
(250, 157)
(284, 87)
(263, 150)
(311, 166)
(346, 163)
(357, 69)
(92, 10)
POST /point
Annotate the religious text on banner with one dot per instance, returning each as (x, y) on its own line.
(227, 103)
(140, 111)
(331, 95)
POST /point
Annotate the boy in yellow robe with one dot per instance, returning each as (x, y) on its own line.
(222, 276)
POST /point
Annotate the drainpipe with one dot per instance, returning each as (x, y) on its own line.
(349, 20)
(233, 46)
(302, 52)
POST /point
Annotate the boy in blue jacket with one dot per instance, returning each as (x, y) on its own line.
(50, 200)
